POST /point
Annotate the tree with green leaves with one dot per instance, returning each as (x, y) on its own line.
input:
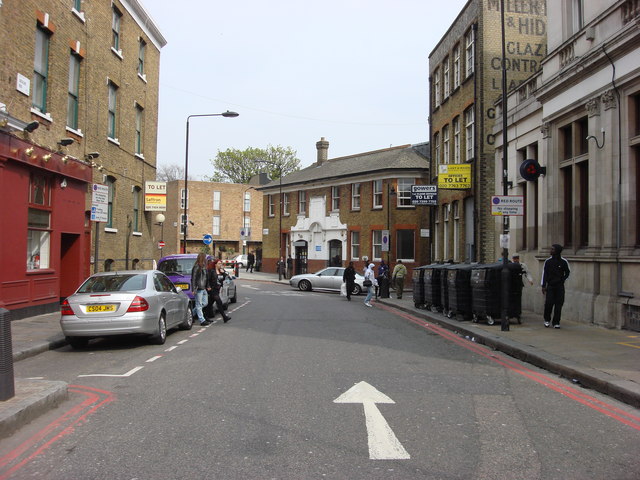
(238, 166)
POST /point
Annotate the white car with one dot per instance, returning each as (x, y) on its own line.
(241, 260)
(326, 279)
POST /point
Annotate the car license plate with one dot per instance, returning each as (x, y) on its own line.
(183, 286)
(101, 308)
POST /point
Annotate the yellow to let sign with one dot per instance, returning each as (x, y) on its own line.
(155, 202)
(454, 176)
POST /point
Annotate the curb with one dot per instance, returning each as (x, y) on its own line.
(33, 398)
(622, 390)
(36, 349)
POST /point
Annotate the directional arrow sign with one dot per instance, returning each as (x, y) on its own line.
(383, 444)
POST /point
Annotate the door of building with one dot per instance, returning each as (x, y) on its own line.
(335, 253)
(300, 263)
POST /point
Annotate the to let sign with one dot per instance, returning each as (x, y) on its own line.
(507, 205)
(155, 196)
(455, 176)
(424, 195)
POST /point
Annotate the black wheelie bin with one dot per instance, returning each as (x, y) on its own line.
(432, 298)
(418, 286)
(486, 281)
(459, 285)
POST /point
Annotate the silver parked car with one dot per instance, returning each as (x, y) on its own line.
(125, 302)
(326, 279)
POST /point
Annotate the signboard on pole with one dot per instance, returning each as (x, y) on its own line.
(507, 205)
(424, 195)
(385, 241)
(155, 196)
(99, 203)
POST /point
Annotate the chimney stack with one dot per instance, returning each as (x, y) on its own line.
(323, 150)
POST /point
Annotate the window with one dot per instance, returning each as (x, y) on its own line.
(184, 199)
(355, 245)
(456, 231)
(215, 228)
(302, 201)
(355, 196)
(247, 225)
(39, 223)
(108, 264)
(574, 11)
(377, 194)
(470, 51)
(436, 148)
(404, 191)
(436, 234)
(111, 184)
(335, 198)
(77, 4)
(436, 87)
(445, 228)
(285, 204)
(582, 169)
(405, 243)
(216, 200)
(636, 197)
(247, 202)
(183, 223)
(74, 89)
(137, 191)
(469, 133)
(445, 144)
(456, 67)
(112, 116)
(272, 207)
(139, 127)
(376, 243)
(567, 177)
(456, 140)
(142, 47)
(41, 70)
(446, 87)
(116, 19)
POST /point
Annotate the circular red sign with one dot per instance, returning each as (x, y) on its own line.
(161, 244)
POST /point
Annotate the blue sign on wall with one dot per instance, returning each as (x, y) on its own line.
(207, 239)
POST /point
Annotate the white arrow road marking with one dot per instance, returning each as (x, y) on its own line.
(383, 444)
(128, 374)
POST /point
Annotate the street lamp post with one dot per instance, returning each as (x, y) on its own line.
(244, 219)
(160, 218)
(186, 169)
(279, 167)
(504, 324)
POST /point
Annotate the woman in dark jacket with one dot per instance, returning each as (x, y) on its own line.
(217, 276)
(199, 286)
(349, 277)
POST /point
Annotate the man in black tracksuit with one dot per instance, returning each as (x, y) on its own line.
(554, 273)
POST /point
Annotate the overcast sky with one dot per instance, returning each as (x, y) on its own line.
(352, 71)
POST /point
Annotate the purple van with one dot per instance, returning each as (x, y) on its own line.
(178, 268)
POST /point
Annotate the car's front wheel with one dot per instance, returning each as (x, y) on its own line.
(305, 285)
(356, 290)
(160, 336)
(77, 342)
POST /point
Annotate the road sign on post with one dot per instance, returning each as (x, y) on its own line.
(505, 205)
(99, 203)
(207, 239)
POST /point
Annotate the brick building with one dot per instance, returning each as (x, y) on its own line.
(580, 118)
(465, 82)
(337, 210)
(78, 105)
(221, 210)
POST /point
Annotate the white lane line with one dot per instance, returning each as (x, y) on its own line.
(153, 359)
(171, 348)
(181, 342)
(128, 374)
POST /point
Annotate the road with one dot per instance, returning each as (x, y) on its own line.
(308, 385)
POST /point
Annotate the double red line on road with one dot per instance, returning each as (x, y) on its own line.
(607, 409)
(62, 426)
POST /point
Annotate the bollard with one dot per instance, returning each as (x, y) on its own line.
(7, 385)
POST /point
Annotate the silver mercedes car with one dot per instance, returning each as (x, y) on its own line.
(125, 302)
(326, 279)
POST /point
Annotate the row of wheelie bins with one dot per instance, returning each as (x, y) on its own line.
(472, 291)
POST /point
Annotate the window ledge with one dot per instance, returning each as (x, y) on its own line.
(115, 141)
(110, 230)
(139, 155)
(40, 271)
(117, 53)
(143, 77)
(46, 116)
(75, 132)
(78, 14)
(136, 234)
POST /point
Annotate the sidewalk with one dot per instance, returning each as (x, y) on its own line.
(604, 360)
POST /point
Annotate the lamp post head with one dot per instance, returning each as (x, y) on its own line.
(230, 114)
(160, 218)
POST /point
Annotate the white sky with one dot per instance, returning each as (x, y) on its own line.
(352, 71)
